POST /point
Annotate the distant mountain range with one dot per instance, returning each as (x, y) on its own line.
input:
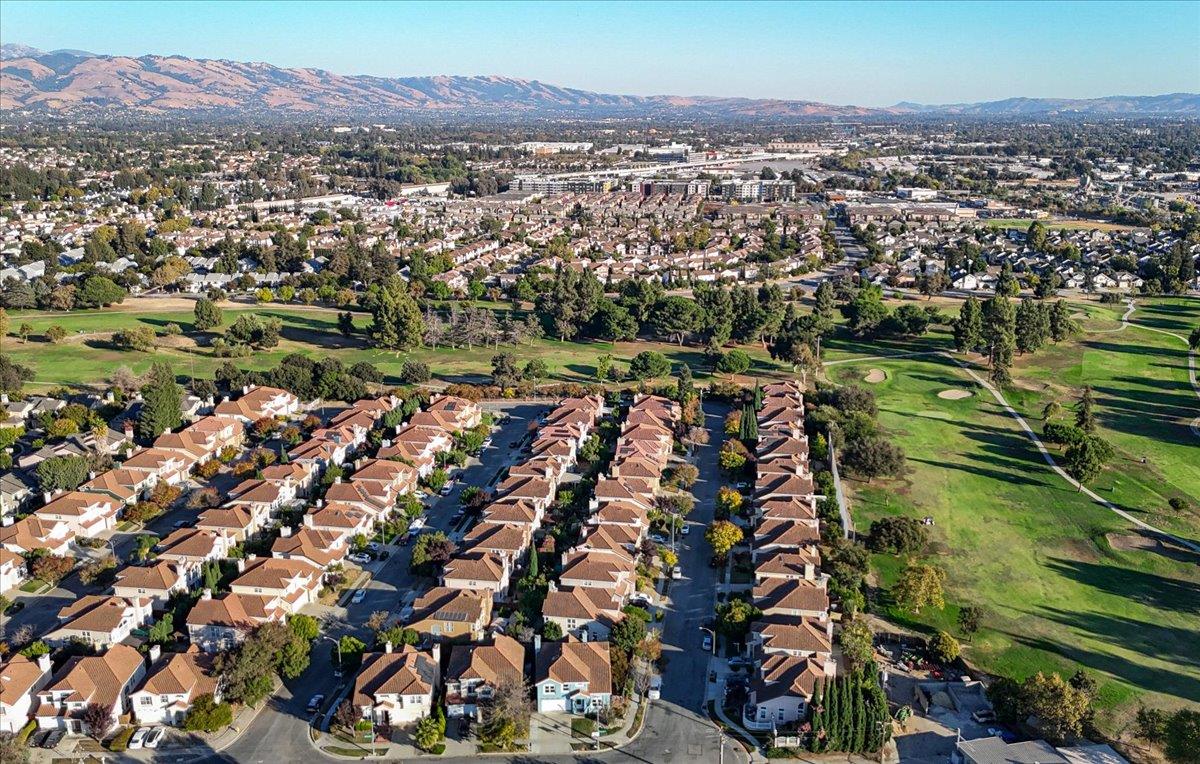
(73, 81)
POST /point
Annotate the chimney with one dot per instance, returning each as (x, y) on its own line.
(206, 594)
(128, 429)
(154, 654)
(537, 643)
(285, 531)
(44, 664)
(551, 586)
(320, 503)
(241, 566)
(387, 646)
(337, 479)
(245, 389)
(436, 651)
(583, 635)
(810, 571)
(91, 474)
(829, 629)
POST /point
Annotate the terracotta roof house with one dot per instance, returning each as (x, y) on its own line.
(613, 570)
(172, 685)
(260, 403)
(318, 548)
(190, 548)
(779, 695)
(218, 624)
(86, 514)
(126, 486)
(583, 612)
(100, 620)
(20, 680)
(395, 688)
(105, 680)
(507, 541)
(790, 596)
(171, 467)
(237, 523)
(12, 569)
(572, 677)
(294, 582)
(479, 571)
(451, 614)
(792, 635)
(476, 670)
(157, 582)
(775, 534)
(33, 532)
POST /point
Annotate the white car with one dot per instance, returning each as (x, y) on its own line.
(658, 538)
(655, 688)
(155, 737)
(359, 596)
(676, 573)
(684, 530)
(139, 737)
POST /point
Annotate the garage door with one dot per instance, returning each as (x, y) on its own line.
(550, 705)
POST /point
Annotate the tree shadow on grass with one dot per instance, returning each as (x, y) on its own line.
(1149, 589)
(1004, 475)
(1170, 643)
(1139, 675)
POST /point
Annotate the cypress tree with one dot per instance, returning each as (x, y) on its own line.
(836, 725)
(860, 715)
(748, 426)
(162, 403)
(533, 563)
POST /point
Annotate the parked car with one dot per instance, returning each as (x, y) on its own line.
(359, 558)
(417, 525)
(36, 738)
(139, 737)
(658, 538)
(706, 643)
(684, 530)
(15, 607)
(155, 737)
(359, 596)
(738, 662)
(676, 573)
(53, 739)
(655, 688)
(180, 524)
(641, 598)
(445, 490)
(314, 703)
(373, 546)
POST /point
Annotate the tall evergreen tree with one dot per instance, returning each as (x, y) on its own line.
(398, 324)
(825, 300)
(162, 403)
(1061, 323)
(748, 426)
(968, 327)
(1085, 416)
(1032, 325)
(999, 330)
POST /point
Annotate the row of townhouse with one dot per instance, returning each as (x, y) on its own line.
(396, 687)
(599, 574)
(791, 644)
(271, 588)
(96, 506)
(162, 689)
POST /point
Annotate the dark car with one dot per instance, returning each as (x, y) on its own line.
(36, 738)
(53, 739)
(15, 607)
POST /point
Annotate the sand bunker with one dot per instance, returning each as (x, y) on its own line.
(875, 376)
(1079, 314)
(955, 395)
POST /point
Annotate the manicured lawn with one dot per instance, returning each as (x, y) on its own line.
(1018, 541)
(87, 358)
(1070, 225)
(1145, 404)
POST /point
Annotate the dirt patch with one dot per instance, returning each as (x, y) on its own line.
(176, 341)
(1079, 314)
(955, 395)
(1144, 541)
(875, 376)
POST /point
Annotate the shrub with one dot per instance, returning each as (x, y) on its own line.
(897, 535)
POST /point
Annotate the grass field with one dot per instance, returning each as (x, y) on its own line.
(87, 357)
(1036, 554)
(1063, 580)
(1068, 225)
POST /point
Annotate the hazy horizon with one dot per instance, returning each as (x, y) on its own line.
(866, 54)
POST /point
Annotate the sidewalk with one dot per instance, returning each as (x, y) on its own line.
(549, 735)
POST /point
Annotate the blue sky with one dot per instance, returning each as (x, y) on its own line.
(862, 53)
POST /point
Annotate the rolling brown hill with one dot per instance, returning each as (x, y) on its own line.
(67, 81)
